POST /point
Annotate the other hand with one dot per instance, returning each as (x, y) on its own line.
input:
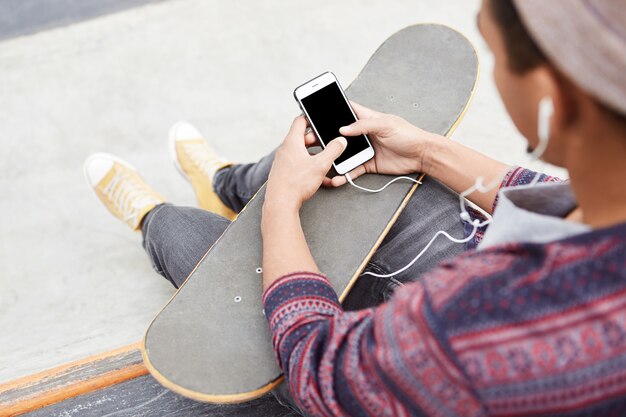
(400, 148)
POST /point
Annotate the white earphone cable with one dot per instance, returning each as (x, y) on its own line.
(476, 223)
(381, 188)
(478, 186)
(546, 110)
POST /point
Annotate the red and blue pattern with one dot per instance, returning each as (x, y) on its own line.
(515, 176)
(513, 330)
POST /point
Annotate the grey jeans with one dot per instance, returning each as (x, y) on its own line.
(176, 238)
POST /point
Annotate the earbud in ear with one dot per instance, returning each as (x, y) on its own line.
(544, 117)
(546, 110)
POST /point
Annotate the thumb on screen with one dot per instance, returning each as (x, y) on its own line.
(332, 151)
(360, 127)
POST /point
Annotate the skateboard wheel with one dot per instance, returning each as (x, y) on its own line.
(259, 270)
(237, 299)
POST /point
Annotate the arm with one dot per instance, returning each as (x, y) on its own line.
(294, 178)
(341, 363)
(284, 247)
(458, 167)
(402, 148)
(393, 358)
(396, 358)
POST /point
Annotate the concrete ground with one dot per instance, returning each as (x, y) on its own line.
(73, 280)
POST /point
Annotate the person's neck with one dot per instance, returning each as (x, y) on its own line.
(597, 166)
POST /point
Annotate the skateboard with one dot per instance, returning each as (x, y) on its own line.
(211, 342)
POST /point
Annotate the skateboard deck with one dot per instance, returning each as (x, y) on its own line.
(211, 342)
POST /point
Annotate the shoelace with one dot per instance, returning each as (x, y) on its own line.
(203, 157)
(128, 195)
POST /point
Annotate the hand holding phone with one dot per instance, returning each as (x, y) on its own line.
(400, 147)
(327, 109)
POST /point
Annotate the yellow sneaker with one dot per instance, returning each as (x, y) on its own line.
(120, 187)
(197, 162)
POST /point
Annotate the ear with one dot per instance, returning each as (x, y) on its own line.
(552, 83)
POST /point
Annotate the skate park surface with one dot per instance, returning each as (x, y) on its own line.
(75, 281)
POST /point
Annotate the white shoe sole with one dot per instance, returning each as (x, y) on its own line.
(101, 155)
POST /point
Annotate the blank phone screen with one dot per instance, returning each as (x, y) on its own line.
(328, 111)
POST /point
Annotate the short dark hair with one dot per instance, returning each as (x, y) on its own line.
(523, 53)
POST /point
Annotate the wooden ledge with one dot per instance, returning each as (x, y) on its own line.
(70, 380)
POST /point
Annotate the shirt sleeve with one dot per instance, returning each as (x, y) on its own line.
(389, 360)
(514, 177)
(522, 176)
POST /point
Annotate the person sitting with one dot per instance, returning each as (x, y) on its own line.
(528, 319)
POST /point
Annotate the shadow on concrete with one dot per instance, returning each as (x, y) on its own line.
(25, 17)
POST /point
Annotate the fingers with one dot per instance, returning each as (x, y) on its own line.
(297, 130)
(310, 139)
(361, 127)
(339, 180)
(354, 174)
(332, 151)
(327, 182)
(363, 112)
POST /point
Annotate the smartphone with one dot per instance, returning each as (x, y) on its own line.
(326, 107)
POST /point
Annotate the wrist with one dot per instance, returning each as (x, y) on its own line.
(279, 209)
(280, 198)
(434, 154)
